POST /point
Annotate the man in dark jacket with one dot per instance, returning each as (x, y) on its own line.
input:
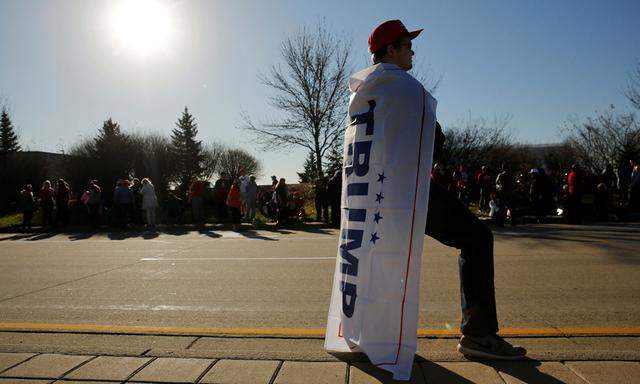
(334, 192)
(322, 203)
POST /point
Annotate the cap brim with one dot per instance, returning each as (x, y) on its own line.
(414, 34)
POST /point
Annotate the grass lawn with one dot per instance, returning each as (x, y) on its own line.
(10, 219)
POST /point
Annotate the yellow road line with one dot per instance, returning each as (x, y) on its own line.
(209, 331)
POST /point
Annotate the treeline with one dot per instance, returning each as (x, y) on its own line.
(169, 161)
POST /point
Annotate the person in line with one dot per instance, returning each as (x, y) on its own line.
(94, 202)
(334, 193)
(574, 198)
(136, 213)
(243, 181)
(251, 195)
(624, 179)
(537, 194)
(149, 202)
(601, 202)
(28, 205)
(196, 198)
(220, 192)
(174, 208)
(634, 188)
(234, 203)
(484, 183)
(63, 195)
(496, 210)
(281, 194)
(505, 185)
(46, 199)
(461, 178)
(122, 202)
(453, 224)
(321, 200)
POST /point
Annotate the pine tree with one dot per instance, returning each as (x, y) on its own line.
(334, 158)
(109, 137)
(113, 152)
(187, 151)
(309, 172)
(8, 138)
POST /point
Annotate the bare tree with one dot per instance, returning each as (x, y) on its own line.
(154, 159)
(633, 88)
(607, 138)
(424, 74)
(213, 155)
(478, 142)
(311, 89)
(237, 162)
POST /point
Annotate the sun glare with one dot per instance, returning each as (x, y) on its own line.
(142, 26)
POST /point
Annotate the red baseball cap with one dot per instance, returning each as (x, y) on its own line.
(388, 32)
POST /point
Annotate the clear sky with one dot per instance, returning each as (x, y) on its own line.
(66, 66)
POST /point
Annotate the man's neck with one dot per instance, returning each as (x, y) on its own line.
(390, 62)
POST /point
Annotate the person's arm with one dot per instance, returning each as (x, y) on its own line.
(438, 143)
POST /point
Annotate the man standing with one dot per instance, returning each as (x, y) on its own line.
(320, 197)
(484, 182)
(506, 187)
(574, 203)
(196, 197)
(407, 113)
(334, 189)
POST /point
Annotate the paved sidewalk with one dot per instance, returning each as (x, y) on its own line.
(53, 357)
(58, 368)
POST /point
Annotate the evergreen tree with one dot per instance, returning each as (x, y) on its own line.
(309, 172)
(187, 151)
(113, 153)
(334, 158)
(8, 138)
(108, 139)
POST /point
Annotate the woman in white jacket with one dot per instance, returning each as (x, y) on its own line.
(149, 201)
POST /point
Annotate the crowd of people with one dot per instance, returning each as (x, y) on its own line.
(135, 203)
(504, 195)
(509, 195)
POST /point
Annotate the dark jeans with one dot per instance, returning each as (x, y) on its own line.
(483, 204)
(27, 216)
(62, 215)
(322, 209)
(123, 214)
(196, 209)
(453, 224)
(574, 208)
(335, 212)
(47, 214)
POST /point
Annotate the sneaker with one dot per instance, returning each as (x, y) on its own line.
(490, 347)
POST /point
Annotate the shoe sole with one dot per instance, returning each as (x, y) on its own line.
(486, 355)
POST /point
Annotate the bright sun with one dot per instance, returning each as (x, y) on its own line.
(141, 25)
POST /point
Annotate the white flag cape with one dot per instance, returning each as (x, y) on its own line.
(388, 151)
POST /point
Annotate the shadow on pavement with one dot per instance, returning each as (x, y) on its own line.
(251, 234)
(212, 231)
(426, 371)
(43, 236)
(381, 376)
(17, 237)
(81, 236)
(615, 240)
(209, 232)
(526, 371)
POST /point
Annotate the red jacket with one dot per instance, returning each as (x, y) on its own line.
(196, 189)
(574, 182)
(233, 200)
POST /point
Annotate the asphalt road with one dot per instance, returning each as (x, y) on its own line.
(546, 276)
